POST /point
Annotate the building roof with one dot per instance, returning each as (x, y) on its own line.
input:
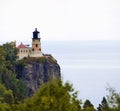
(21, 46)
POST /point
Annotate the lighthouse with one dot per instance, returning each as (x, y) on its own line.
(36, 44)
(34, 51)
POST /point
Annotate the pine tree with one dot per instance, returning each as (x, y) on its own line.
(104, 105)
(88, 106)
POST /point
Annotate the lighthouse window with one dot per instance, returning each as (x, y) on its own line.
(36, 45)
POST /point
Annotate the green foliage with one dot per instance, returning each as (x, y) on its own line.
(40, 60)
(21, 62)
(5, 107)
(2, 54)
(17, 86)
(11, 52)
(53, 96)
(6, 96)
(8, 55)
(20, 65)
(113, 99)
(88, 106)
(32, 59)
(104, 105)
(2, 59)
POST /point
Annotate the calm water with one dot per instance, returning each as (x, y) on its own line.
(88, 65)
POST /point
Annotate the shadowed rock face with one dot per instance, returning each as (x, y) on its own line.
(34, 74)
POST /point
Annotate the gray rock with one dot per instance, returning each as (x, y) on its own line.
(34, 74)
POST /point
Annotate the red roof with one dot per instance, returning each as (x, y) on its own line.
(21, 46)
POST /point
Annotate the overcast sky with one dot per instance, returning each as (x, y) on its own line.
(60, 19)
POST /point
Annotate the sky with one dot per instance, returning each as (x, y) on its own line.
(60, 19)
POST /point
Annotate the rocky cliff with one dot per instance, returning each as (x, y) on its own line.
(36, 71)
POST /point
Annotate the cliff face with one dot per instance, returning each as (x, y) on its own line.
(35, 72)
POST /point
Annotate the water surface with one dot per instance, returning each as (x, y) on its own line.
(89, 65)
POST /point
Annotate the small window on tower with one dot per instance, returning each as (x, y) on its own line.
(33, 49)
(36, 45)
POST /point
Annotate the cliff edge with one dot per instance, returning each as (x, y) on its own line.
(36, 71)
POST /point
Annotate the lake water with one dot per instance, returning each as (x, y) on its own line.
(88, 65)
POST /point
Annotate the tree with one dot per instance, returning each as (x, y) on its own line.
(53, 96)
(103, 106)
(11, 54)
(2, 58)
(17, 86)
(5, 107)
(113, 99)
(8, 55)
(6, 96)
(88, 106)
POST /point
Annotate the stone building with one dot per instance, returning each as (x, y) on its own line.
(34, 51)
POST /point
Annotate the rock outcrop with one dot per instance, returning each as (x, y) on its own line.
(36, 71)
